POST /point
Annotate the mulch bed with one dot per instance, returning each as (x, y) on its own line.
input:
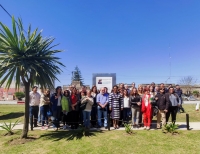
(18, 141)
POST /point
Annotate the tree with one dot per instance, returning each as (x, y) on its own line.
(27, 58)
(188, 83)
(76, 75)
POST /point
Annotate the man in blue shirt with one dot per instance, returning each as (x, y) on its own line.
(102, 101)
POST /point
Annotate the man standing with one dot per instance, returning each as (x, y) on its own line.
(127, 89)
(157, 90)
(162, 86)
(179, 92)
(153, 85)
(34, 101)
(102, 102)
(163, 106)
(133, 85)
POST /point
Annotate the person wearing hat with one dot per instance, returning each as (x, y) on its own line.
(34, 101)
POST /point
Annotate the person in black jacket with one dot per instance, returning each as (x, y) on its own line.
(163, 106)
(135, 103)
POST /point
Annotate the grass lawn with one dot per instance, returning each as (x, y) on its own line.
(106, 142)
(14, 112)
(11, 113)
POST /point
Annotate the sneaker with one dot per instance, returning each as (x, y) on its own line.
(148, 128)
(145, 127)
(43, 128)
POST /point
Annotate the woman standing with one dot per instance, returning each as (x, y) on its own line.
(94, 107)
(74, 117)
(87, 111)
(56, 107)
(135, 102)
(174, 103)
(44, 107)
(153, 102)
(115, 105)
(141, 93)
(66, 107)
(146, 109)
(126, 108)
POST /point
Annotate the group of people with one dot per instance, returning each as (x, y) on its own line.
(92, 108)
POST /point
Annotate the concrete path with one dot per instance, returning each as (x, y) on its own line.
(8, 102)
(182, 126)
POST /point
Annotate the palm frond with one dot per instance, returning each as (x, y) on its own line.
(30, 57)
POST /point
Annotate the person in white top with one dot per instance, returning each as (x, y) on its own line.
(87, 111)
(34, 101)
(126, 108)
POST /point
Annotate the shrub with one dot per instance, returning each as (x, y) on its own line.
(170, 128)
(19, 95)
(128, 128)
(196, 93)
(9, 127)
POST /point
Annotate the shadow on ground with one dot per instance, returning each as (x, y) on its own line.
(69, 135)
(12, 115)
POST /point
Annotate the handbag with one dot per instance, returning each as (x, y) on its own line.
(83, 106)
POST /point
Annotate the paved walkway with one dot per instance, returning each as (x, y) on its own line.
(182, 126)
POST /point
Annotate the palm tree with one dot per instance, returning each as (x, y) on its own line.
(27, 57)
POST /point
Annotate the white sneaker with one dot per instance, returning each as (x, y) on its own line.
(64, 127)
(148, 128)
(145, 127)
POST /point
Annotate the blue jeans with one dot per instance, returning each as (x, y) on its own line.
(56, 116)
(100, 112)
(43, 112)
(39, 116)
(126, 114)
(94, 115)
(33, 114)
(86, 118)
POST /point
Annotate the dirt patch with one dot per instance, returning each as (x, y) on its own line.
(131, 133)
(7, 134)
(172, 134)
(18, 141)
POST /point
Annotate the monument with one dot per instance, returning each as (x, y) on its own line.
(104, 80)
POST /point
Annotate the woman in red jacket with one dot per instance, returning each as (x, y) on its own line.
(146, 108)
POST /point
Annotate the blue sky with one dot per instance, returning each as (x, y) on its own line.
(131, 38)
